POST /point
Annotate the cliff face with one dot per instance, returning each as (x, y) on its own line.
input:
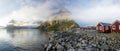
(58, 21)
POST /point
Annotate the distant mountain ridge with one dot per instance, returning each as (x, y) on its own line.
(14, 24)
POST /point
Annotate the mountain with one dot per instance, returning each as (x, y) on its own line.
(59, 21)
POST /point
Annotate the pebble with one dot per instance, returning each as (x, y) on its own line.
(74, 41)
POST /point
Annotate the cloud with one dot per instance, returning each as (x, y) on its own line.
(100, 12)
(83, 11)
(33, 13)
(30, 10)
(7, 6)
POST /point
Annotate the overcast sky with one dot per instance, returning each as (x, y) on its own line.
(84, 12)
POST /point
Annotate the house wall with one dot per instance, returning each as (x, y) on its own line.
(117, 27)
(107, 29)
(103, 29)
(98, 28)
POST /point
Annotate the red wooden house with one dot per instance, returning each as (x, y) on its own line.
(83, 28)
(115, 27)
(91, 28)
(103, 27)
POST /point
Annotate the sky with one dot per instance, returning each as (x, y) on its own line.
(84, 12)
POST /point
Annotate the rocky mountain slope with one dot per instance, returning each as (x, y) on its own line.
(59, 21)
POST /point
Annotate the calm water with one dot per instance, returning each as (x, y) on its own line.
(22, 40)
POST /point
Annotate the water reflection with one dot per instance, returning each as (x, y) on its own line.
(4, 36)
(22, 39)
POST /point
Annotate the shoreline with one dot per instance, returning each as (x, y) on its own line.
(79, 40)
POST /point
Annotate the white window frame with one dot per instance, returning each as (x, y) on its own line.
(119, 27)
(100, 28)
(114, 27)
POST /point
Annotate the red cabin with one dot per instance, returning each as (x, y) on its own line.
(103, 27)
(115, 26)
(91, 28)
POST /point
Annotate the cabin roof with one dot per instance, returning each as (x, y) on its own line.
(105, 24)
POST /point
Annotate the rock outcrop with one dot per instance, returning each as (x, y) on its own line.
(58, 21)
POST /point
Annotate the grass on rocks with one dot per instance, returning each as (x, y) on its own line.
(114, 36)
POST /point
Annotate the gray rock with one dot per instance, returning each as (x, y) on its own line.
(71, 49)
(49, 47)
(80, 49)
(104, 46)
(59, 47)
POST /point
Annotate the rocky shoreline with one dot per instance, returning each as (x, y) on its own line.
(80, 41)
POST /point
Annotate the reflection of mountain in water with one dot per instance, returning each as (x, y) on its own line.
(19, 27)
(21, 40)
